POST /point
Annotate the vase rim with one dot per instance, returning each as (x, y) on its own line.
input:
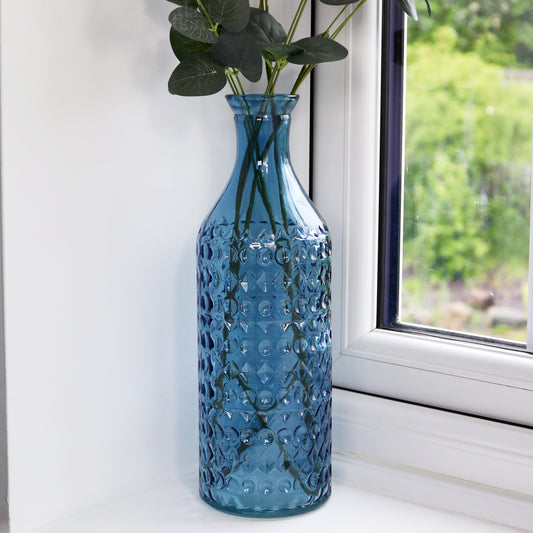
(252, 104)
(263, 96)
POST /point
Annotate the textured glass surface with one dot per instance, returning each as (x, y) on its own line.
(264, 329)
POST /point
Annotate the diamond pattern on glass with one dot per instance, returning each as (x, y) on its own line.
(265, 408)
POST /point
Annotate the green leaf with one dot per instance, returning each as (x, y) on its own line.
(232, 14)
(188, 3)
(409, 7)
(428, 5)
(191, 24)
(277, 51)
(197, 75)
(264, 27)
(338, 2)
(317, 49)
(183, 46)
(239, 50)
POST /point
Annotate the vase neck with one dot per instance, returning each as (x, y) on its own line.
(262, 125)
(263, 141)
(263, 186)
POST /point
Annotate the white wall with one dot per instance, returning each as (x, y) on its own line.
(105, 181)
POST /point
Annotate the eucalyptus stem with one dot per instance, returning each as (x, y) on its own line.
(231, 82)
(274, 75)
(339, 15)
(268, 70)
(254, 153)
(212, 26)
(304, 72)
(238, 81)
(295, 21)
(307, 69)
(347, 19)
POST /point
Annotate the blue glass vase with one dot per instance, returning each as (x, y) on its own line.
(264, 329)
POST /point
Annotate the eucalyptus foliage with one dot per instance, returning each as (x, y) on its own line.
(218, 40)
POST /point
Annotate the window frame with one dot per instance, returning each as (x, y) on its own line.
(392, 167)
(492, 382)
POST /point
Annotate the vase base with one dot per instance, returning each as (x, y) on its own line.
(267, 513)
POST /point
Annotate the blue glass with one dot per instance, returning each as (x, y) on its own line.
(264, 329)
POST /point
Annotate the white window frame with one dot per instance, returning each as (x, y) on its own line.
(463, 463)
(491, 382)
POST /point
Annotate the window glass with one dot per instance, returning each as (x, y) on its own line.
(467, 168)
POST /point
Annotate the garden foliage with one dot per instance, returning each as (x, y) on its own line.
(469, 140)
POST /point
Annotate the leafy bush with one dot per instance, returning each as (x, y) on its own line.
(499, 32)
(448, 242)
(468, 159)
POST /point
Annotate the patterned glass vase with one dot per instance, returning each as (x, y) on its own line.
(264, 329)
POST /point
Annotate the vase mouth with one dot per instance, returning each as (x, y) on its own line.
(261, 104)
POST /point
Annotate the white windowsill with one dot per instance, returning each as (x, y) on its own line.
(396, 467)
(435, 458)
(174, 505)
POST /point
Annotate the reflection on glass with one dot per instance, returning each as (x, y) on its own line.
(467, 174)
